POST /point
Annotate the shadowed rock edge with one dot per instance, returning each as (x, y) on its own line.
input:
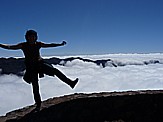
(99, 107)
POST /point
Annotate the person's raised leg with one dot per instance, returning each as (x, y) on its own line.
(51, 71)
(62, 77)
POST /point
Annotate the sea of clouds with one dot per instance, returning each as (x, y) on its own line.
(133, 74)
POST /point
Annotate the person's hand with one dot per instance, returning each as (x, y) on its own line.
(63, 43)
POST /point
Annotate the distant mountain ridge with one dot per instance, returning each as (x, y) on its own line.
(16, 65)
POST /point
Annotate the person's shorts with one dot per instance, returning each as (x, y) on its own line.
(31, 74)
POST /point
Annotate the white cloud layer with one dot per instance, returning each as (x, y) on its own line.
(15, 93)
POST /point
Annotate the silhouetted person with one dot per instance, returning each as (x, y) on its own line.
(35, 64)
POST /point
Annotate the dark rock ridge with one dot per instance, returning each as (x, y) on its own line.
(16, 65)
(129, 106)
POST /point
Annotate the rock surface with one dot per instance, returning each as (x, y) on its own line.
(129, 106)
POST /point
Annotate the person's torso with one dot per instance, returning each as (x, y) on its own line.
(31, 52)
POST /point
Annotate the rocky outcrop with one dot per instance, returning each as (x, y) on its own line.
(129, 106)
(16, 65)
(12, 66)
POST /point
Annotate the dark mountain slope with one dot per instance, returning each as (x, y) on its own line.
(129, 106)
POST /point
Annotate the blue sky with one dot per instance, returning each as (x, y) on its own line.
(88, 26)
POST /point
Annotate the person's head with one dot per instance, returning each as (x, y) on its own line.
(31, 36)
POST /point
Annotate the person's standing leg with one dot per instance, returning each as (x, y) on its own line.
(36, 94)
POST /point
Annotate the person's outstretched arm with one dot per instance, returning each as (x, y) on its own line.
(53, 44)
(11, 47)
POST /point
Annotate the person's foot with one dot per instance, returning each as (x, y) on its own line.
(37, 109)
(73, 83)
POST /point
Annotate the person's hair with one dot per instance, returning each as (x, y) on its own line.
(31, 32)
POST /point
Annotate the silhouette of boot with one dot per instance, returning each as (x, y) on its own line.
(37, 109)
(73, 83)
